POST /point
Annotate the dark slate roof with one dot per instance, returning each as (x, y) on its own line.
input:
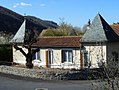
(99, 31)
(58, 41)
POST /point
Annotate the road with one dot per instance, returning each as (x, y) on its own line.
(8, 83)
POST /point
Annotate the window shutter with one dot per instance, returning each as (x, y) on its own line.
(62, 56)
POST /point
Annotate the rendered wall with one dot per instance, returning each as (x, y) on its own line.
(56, 59)
(18, 57)
(112, 47)
(96, 54)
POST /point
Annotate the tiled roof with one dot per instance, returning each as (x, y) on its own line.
(100, 31)
(115, 27)
(58, 41)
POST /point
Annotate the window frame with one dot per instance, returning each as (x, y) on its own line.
(67, 55)
(36, 55)
(50, 56)
(86, 60)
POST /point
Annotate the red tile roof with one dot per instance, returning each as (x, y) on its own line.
(58, 41)
(115, 27)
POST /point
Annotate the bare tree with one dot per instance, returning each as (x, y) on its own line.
(30, 38)
(107, 75)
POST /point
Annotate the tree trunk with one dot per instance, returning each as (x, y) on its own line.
(29, 63)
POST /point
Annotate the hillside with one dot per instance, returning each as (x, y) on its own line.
(10, 21)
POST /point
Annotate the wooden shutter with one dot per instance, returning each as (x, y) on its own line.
(62, 56)
(81, 60)
(46, 59)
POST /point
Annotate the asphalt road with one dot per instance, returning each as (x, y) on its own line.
(13, 83)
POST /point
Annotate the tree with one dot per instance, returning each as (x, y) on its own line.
(52, 32)
(26, 38)
(108, 71)
(5, 59)
(29, 38)
(64, 29)
(68, 29)
(108, 78)
(116, 23)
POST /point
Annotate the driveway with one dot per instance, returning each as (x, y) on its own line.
(10, 82)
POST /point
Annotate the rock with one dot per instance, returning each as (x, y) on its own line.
(45, 74)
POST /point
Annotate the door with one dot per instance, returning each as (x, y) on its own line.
(46, 59)
(49, 58)
(81, 60)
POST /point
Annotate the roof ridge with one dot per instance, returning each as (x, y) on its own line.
(57, 36)
(67, 41)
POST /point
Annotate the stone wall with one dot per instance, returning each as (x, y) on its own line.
(44, 74)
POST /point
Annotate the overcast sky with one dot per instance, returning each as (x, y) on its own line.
(74, 12)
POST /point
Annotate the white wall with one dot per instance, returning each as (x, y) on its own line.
(112, 47)
(57, 62)
(96, 54)
(18, 57)
(43, 57)
(56, 58)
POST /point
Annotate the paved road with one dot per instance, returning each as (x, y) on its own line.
(8, 83)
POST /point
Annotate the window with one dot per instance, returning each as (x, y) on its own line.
(36, 56)
(86, 58)
(50, 56)
(115, 56)
(67, 56)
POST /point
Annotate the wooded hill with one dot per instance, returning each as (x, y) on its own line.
(10, 21)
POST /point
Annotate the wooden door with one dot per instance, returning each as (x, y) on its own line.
(47, 59)
(81, 60)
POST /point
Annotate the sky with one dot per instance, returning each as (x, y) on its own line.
(74, 12)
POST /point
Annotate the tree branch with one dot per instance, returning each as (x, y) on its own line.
(21, 50)
(34, 51)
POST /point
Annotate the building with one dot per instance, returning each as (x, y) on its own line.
(59, 51)
(101, 43)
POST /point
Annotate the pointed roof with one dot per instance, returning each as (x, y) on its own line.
(99, 31)
(19, 36)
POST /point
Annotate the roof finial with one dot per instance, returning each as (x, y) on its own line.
(24, 14)
(98, 12)
(89, 22)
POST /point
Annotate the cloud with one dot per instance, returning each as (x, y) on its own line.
(42, 5)
(116, 17)
(22, 4)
